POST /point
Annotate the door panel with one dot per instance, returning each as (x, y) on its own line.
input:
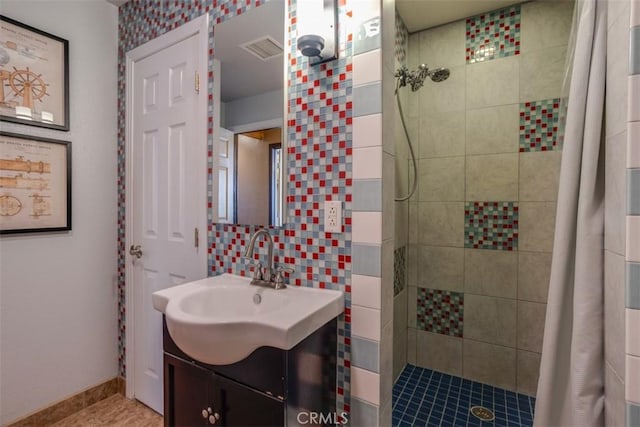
(167, 197)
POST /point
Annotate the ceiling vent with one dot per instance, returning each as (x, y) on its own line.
(264, 48)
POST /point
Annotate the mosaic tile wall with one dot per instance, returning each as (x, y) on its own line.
(491, 225)
(493, 35)
(319, 161)
(399, 270)
(539, 121)
(440, 311)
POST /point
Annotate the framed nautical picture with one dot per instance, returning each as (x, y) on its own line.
(34, 76)
(35, 184)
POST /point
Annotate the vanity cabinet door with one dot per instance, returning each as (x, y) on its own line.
(189, 390)
(243, 406)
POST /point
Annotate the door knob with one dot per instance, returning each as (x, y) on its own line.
(136, 251)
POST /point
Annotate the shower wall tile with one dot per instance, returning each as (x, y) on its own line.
(493, 83)
(367, 131)
(365, 385)
(542, 74)
(634, 103)
(411, 346)
(441, 267)
(440, 311)
(365, 291)
(527, 372)
(614, 307)
(492, 130)
(491, 273)
(635, 21)
(632, 385)
(366, 259)
(634, 50)
(614, 404)
(441, 135)
(443, 46)
(633, 243)
(633, 191)
(539, 175)
(492, 177)
(491, 225)
(441, 223)
(489, 319)
(537, 226)
(493, 35)
(367, 67)
(617, 73)
(365, 354)
(490, 364)
(530, 322)
(534, 270)
(633, 410)
(412, 307)
(367, 99)
(367, 195)
(632, 340)
(539, 125)
(439, 352)
(366, 227)
(441, 179)
(633, 285)
(367, 163)
(365, 322)
(442, 97)
(633, 150)
(363, 413)
(545, 25)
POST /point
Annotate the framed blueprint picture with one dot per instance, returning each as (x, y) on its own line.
(34, 76)
(35, 184)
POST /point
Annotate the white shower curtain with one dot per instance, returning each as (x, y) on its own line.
(571, 385)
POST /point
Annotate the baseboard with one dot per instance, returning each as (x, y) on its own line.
(63, 409)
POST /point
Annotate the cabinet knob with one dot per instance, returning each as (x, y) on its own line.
(214, 418)
(205, 414)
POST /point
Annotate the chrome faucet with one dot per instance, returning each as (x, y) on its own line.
(264, 276)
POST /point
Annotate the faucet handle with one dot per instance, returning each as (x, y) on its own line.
(258, 271)
(279, 279)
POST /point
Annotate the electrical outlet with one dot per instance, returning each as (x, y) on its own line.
(333, 216)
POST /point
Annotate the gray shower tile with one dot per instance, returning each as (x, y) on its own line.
(362, 413)
(365, 354)
(367, 99)
(634, 50)
(531, 316)
(366, 259)
(367, 195)
(490, 320)
(439, 352)
(633, 285)
(527, 372)
(633, 191)
(490, 364)
(633, 414)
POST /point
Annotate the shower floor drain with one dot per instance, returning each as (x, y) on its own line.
(482, 413)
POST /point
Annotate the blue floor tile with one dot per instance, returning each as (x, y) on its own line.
(422, 397)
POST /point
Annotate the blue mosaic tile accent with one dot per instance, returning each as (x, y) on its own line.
(441, 312)
(422, 397)
(401, 41)
(491, 225)
(539, 124)
(319, 163)
(493, 35)
(399, 270)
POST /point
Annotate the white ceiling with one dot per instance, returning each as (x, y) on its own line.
(421, 14)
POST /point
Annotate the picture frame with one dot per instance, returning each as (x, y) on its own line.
(34, 76)
(35, 184)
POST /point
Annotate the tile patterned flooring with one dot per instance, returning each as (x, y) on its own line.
(116, 410)
(422, 397)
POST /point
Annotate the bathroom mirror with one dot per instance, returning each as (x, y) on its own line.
(249, 110)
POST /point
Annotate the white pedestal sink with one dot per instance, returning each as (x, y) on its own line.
(221, 320)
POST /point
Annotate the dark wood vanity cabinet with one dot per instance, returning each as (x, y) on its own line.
(268, 388)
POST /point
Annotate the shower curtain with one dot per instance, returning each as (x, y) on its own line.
(571, 384)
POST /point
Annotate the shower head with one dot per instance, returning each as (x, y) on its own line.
(439, 74)
(416, 77)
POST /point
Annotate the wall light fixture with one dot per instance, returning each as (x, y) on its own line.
(317, 23)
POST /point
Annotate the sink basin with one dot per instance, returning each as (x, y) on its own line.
(221, 320)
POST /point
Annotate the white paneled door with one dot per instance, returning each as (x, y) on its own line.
(167, 237)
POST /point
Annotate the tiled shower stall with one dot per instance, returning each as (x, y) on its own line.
(473, 245)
